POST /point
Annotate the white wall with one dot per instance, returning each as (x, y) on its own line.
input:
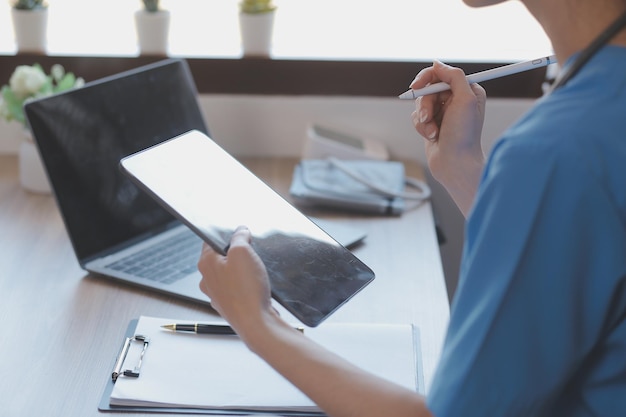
(276, 126)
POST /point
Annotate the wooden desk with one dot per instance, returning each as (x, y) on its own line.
(62, 328)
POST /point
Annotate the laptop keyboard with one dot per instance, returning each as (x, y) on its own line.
(166, 262)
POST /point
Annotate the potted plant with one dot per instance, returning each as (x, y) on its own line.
(256, 23)
(30, 24)
(26, 83)
(153, 25)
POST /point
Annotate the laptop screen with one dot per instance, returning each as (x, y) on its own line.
(83, 133)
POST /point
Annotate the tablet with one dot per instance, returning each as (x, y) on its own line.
(310, 273)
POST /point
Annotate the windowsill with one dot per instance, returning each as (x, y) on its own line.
(259, 76)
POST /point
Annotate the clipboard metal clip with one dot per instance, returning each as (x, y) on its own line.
(134, 373)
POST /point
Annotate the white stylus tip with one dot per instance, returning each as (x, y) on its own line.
(408, 94)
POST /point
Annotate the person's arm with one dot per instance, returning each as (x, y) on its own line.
(239, 290)
(451, 123)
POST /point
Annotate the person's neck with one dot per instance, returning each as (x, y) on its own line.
(573, 25)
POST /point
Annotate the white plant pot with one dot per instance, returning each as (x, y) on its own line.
(30, 28)
(256, 33)
(32, 173)
(153, 31)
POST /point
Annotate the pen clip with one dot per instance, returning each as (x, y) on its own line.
(134, 373)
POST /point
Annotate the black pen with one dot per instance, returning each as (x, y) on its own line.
(200, 328)
(206, 328)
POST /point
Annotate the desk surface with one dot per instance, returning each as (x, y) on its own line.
(62, 328)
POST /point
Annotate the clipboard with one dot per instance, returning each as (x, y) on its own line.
(410, 353)
(104, 405)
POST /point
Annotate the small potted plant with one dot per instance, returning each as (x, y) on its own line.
(27, 83)
(30, 24)
(256, 23)
(153, 25)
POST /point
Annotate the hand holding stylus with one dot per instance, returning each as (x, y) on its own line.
(451, 123)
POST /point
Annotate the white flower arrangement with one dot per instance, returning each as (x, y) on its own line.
(30, 82)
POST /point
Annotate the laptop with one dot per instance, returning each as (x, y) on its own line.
(116, 230)
(82, 134)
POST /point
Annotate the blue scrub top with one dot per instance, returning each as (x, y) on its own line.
(538, 323)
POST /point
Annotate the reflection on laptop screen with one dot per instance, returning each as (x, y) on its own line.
(82, 134)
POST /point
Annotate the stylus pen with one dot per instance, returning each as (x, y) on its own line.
(482, 76)
(206, 328)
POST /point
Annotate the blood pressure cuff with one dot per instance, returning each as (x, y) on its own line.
(320, 183)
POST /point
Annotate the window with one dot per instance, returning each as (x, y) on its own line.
(388, 30)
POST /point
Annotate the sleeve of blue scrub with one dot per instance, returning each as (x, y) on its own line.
(527, 310)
